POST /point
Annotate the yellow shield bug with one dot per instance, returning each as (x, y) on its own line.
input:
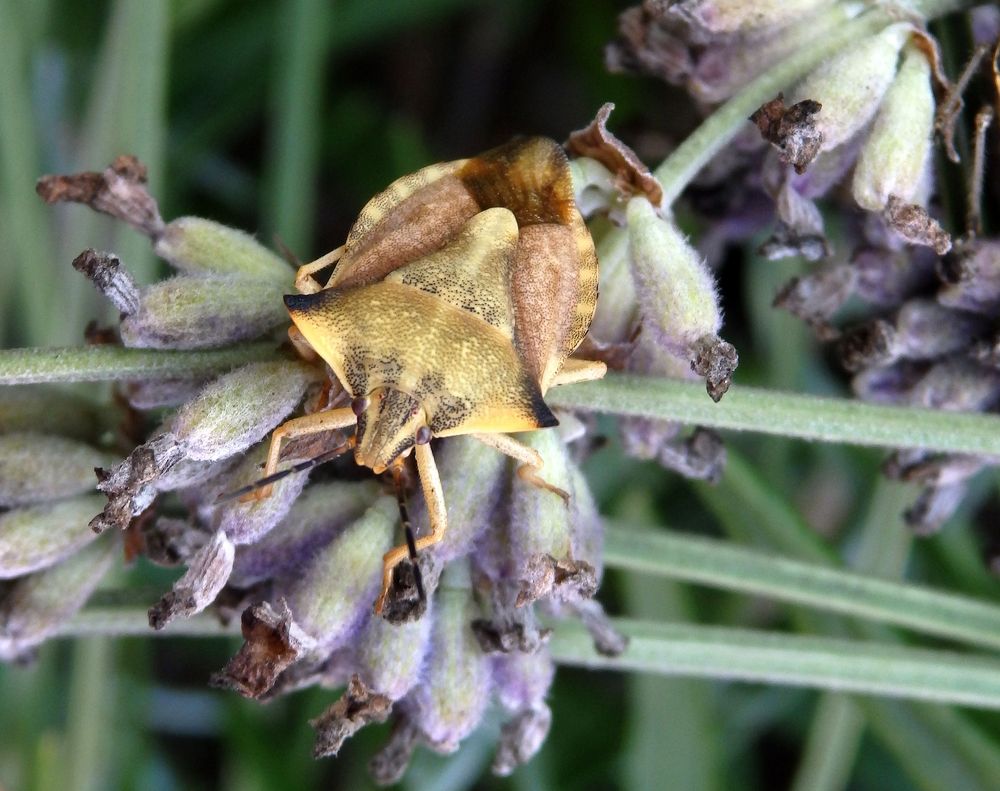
(454, 305)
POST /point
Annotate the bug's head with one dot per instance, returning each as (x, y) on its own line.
(390, 423)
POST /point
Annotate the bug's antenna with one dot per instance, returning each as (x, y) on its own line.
(267, 480)
(411, 544)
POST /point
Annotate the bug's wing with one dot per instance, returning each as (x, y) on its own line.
(554, 289)
(554, 280)
(413, 216)
(473, 271)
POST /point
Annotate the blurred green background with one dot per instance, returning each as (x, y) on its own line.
(282, 117)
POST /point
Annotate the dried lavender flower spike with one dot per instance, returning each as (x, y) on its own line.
(37, 468)
(359, 706)
(739, 16)
(198, 246)
(896, 153)
(240, 408)
(199, 311)
(330, 599)
(39, 536)
(850, 86)
(32, 608)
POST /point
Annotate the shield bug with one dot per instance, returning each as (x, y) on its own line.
(453, 306)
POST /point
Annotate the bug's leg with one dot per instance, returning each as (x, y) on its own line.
(531, 461)
(574, 371)
(299, 427)
(430, 482)
(304, 281)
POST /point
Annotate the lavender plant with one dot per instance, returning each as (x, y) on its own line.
(480, 622)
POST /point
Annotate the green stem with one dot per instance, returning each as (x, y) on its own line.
(786, 414)
(703, 652)
(110, 363)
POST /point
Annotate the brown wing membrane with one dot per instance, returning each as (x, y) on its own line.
(415, 215)
(554, 287)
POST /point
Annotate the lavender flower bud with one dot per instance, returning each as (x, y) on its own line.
(247, 522)
(33, 608)
(391, 656)
(240, 408)
(972, 278)
(50, 410)
(522, 681)
(145, 395)
(452, 697)
(850, 86)
(473, 477)
(889, 385)
(923, 330)
(35, 468)
(896, 154)
(737, 16)
(540, 535)
(957, 385)
(207, 574)
(198, 311)
(198, 246)
(335, 593)
(677, 296)
(37, 537)
(316, 518)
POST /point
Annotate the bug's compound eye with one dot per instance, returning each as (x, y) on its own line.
(359, 405)
(423, 435)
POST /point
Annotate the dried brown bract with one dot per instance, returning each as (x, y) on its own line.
(596, 141)
(792, 130)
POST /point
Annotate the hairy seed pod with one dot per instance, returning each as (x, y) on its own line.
(200, 311)
(676, 291)
(36, 537)
(334, 594)
(391, 657)
(317, 517)
(449, 703)
(198, 246)
(37, 468)
(240, 408)
(32, 608)
(896, 153)
(247, 522)
(850, 85)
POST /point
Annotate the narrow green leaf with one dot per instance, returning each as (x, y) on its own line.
(776, 658)
(294, 148)
(720, 564)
